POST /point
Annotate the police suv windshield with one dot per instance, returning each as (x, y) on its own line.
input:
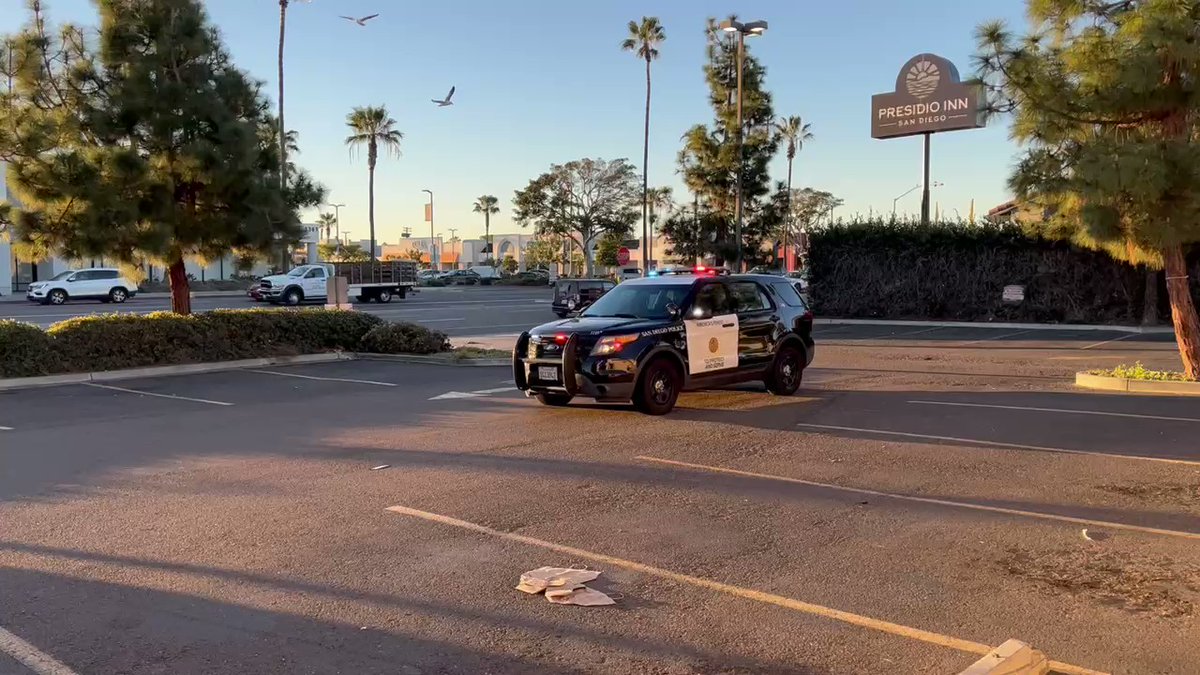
(634, 301)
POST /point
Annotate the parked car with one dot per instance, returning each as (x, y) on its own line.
(424, 277)
(98, 283)
(534, 276)
(573, 295)
(378, 281)
(256, 291)
(630, 273)
(460, 278)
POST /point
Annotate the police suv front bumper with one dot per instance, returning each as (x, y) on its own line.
(546, 365)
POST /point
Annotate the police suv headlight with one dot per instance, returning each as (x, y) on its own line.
(612, 344)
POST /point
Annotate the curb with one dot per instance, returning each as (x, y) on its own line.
(995, 324)
(17, 383)
(1108, 383)
(433, 360)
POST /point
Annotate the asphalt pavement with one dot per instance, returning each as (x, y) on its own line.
(912, 505)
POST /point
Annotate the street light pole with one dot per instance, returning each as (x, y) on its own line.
(433, 262)
(337, 217)
(751, 28)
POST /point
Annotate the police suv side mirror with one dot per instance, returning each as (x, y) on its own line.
(673, 310)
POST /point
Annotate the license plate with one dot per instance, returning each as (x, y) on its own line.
(547, 373)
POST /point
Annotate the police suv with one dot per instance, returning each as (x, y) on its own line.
(649, 339)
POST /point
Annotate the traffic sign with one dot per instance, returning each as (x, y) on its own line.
(622, 256)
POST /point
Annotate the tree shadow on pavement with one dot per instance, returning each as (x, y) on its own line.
(201, 634)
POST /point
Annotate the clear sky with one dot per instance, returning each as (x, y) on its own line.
(545, 81)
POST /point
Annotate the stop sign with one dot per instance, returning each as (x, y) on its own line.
(622, 256)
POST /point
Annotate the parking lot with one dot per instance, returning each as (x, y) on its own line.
(924, 498)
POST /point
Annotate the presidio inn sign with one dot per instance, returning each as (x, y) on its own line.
(929, 98)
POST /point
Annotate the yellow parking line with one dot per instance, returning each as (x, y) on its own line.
(729, 589)
(1183, 534)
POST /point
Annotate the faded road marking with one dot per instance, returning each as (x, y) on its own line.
(323, 379)
(729, 589)
(1101, 344)
(994, 337)
(31, 657)
(927, 500)
(1059, 410)
(147, 393)
(998, 444)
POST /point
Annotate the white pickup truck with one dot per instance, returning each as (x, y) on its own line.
(378, 281)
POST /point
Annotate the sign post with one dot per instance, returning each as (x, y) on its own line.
(929, 98)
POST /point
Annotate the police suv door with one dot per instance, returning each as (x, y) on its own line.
(711, 330)
(756, 322)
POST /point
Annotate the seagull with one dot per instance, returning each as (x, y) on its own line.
(363, 21)
(446, 101)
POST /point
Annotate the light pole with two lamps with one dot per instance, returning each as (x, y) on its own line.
(337, 218)
(925, 198)
(751, 28)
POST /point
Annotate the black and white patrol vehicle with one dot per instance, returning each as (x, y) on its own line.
(648, 339)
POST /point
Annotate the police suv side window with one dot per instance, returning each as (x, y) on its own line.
(787, 293)
(748, 297)
(713, 300)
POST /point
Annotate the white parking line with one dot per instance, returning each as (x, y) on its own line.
(323, 379)
(6, 428)
(793, 604)
(917, 332)
(998, 444)
(994, 337)
(31, 657)
(1101, 344)
(498, 390)
(1103, 413)
(928, 500)
(147, 393)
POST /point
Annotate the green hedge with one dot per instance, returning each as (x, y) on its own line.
(116, 341)
(404, 338)
(900, 270)
(25, 350)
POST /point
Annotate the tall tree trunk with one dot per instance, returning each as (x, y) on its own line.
(371, 206)
(283, 4)
(645, 182)
(487, 235)
(787, 219)
(181, 296)
(1150, 299)
(1183, 310)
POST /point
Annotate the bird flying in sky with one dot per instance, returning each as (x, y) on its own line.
(363, 21)
(446, 101)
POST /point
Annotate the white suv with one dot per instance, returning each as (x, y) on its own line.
(99, 283)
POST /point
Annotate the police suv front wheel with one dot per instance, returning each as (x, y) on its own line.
(783, 379)
(658, 388)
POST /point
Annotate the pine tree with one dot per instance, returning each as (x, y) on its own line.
(709, 160)
(154, 148)
(1103, 97)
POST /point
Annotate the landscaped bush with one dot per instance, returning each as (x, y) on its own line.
(404, 338)
(26, 351)
(957, 271)
(114, 341)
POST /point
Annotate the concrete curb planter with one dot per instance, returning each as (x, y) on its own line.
(1109, 383)
(433, 360)
(14, 383)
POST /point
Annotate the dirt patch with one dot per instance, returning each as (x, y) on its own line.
(1146, 585)
(1188, 495)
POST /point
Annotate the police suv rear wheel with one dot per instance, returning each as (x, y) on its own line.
(658, 388)
(783, 379)
(555, 400)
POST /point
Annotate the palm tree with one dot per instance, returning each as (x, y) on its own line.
(327, 221)
(660, 202)
(371, 126)
(486, 204)
(643, 41)
(793, 131)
